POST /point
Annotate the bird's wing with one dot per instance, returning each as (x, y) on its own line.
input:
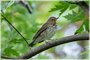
(44, 27)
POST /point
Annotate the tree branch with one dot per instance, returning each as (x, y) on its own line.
(53, 43)
(56, 42)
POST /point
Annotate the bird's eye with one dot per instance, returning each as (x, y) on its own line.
(52, 19)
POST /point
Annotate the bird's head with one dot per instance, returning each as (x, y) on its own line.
(52, 20)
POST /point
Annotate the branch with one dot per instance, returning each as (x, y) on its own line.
(54, 43)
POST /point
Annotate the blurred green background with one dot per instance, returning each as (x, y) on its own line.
(13, 45)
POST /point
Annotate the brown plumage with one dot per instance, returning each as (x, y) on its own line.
(45, 32)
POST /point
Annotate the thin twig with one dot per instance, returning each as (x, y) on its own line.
(14, 27)
(26, 5)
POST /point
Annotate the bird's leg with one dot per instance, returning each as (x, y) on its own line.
(46, 41)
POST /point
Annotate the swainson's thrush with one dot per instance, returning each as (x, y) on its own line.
(45, 32)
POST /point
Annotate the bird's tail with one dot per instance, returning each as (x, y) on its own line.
(32, 44)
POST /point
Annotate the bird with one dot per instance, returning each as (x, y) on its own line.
(45, 32)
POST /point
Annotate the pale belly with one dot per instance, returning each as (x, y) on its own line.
(46, 35)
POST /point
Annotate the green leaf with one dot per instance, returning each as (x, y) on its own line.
(72, 6)
(14, 52)
(9, 52)
(54, 9)
(75, 16)
(62, 6)
(86, 23)
(80, 30)
(63, 10)
(15, 41)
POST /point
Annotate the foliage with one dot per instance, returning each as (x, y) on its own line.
(13, 45)
(84, 27)
(9, 52)
(74, 17)
(62, 8)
